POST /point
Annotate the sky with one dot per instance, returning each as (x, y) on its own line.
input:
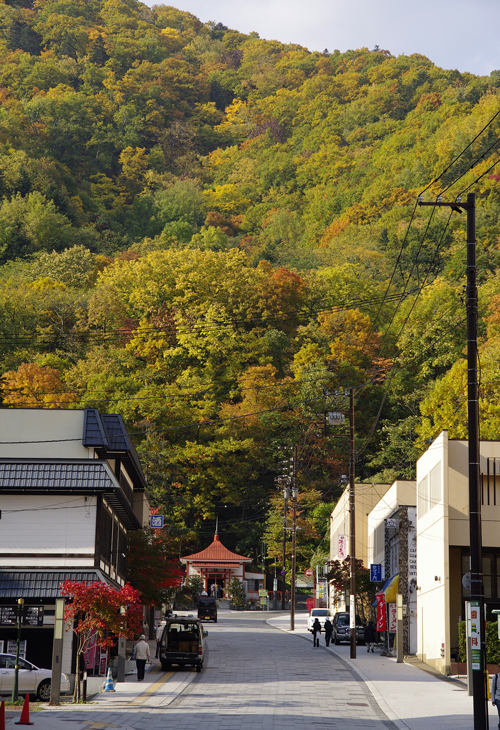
(453, 34)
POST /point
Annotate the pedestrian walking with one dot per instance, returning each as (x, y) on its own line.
(370, 637)
(328, 631)
(141, 657)
(495, 695)
(316, 631)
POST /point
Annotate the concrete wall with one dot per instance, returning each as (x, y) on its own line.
(400, 493)
(38, 531)
(433, 578)
(29, 427)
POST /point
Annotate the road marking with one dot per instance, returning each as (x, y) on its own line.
(140, 699)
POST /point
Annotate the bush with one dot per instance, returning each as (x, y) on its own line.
(492, 642)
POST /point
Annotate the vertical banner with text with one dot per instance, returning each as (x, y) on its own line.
(381, 613)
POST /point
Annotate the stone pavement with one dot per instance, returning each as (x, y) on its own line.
(255, 678)
(413, 699)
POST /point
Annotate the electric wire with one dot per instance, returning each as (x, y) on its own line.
(488, 124)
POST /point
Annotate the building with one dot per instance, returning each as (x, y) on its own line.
(366, 497)
(443, 543)
(71, 487)
(218, 565)
(392, 543)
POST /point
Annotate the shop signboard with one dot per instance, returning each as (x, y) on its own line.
(393, 618)
(381, 613)
(342, 551)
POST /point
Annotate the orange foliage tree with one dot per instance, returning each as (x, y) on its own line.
(35, 386)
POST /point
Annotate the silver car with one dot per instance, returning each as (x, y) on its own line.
(31, 679)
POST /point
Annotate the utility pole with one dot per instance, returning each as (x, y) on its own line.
(286, 494)
(352, 529)
(480, 708)
(294, 539)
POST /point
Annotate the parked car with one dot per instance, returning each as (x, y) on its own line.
(207, 609)
(182, 643)
(321, 614)
(342, 631)
(31, 679)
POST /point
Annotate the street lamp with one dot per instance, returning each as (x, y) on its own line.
(15, 693)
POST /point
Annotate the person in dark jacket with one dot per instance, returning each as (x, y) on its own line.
(370, 636)
(316, 631)
(328, 631)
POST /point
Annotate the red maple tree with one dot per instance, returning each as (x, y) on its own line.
(99, 612)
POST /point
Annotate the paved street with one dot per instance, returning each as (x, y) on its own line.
(255, 677)
(258, 676)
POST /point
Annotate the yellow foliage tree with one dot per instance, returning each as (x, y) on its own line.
(35, 386)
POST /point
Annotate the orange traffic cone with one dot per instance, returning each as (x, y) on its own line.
(2, 716)
(25, 714)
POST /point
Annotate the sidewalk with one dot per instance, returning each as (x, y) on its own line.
(413, 699)
(159, 689)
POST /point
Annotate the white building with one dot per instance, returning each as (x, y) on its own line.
(71, 487)
(443, 542)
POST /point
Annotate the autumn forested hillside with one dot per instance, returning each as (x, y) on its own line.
(210, 234)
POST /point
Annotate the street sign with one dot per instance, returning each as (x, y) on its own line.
(33, 615)
(309, 573)
(156, 521)
(376, 572)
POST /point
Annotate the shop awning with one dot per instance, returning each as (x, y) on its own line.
(389, 589)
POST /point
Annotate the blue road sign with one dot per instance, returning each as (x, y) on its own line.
(156, 521)
(375, 572)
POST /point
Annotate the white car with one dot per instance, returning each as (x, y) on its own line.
(321, 614)
(31, 679)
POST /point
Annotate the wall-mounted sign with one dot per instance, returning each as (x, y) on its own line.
(393, 618)
(342, 546)
(392, 524)
(33, 615)
(8, 615)
(375, 572)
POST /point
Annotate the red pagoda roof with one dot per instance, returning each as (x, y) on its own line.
(216, 552)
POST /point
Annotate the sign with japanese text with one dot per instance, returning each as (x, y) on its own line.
(412, 545)
(33, 615)
(8, 615)
(156, 522)
(475, 635)
(393, 618)
(103, 660)
(381, 613)
(376, 572)
(342, 552)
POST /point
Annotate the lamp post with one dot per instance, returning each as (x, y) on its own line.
(15, 688)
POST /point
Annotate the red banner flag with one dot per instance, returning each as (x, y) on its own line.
(381, 612)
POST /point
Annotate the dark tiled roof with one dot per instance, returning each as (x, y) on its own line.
(93, 431)
(70, 475)
(37, 584)
(85, 476)
(108, 435)
(115, 430)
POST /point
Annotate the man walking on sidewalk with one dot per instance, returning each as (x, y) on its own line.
(142, 656)
(370, 636)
